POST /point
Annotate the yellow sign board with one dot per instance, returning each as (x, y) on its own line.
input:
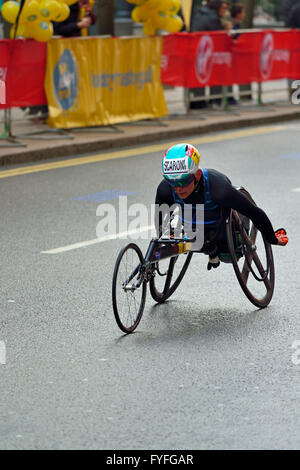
(100, 81)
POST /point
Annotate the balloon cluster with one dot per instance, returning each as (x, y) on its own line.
(36, 17)
(157, 14)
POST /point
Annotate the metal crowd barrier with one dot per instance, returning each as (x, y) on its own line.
(9, 139)
(256, 89)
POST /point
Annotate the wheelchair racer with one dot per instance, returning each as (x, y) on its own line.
(186, 183)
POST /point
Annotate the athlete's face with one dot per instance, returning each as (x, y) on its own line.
(186, 191)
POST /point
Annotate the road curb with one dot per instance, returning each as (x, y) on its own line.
(72, 148)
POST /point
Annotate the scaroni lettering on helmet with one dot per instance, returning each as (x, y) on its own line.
(175, 166)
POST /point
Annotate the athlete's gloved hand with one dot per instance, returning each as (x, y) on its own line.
(281, 236)
(213, 263)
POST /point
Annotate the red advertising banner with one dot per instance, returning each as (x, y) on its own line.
(295, 55)
(207, 59)
(265, 55)
(195, 60)
(22, 73)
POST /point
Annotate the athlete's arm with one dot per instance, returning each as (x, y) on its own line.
(224, 194)
(164, 196)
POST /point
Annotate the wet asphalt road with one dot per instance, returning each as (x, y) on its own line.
(206, 370)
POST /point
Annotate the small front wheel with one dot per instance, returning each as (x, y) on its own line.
(129, 288)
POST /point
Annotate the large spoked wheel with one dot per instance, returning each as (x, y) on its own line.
(252, 258)
(167, 276)
(128, 288)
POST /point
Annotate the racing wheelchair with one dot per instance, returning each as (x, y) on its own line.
(167, 260)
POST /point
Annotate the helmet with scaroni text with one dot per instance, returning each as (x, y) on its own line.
(180, 164)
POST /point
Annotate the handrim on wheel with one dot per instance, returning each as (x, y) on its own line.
(252, 258)
(128, 288)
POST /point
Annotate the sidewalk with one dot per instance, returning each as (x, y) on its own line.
(174, 127)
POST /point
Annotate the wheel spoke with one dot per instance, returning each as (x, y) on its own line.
(253, 234)
(135, 305)
(245, 272)
(261, 270)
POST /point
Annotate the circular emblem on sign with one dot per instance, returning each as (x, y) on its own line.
(204, 59)
(266, 56)
(65, 80)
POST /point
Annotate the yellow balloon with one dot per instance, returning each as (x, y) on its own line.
(135, 15)
(10, 11)
(42, 31)
(54, 8)
(160, 19)
(174, 24)
(176, 7)
(27, 31)
(152, 4)
(148, 29)
(150, 14)
(30, 11)
(65, 12)
(44, 11)
(140, 14)
(166, 5)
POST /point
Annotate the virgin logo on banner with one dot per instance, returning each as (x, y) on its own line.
(204, 59)
(197, 59)
(266, 56)
(207, 59)
(2, 92)
(271, 56)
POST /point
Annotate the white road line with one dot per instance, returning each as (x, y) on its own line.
(296, 190)
(114, 236)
